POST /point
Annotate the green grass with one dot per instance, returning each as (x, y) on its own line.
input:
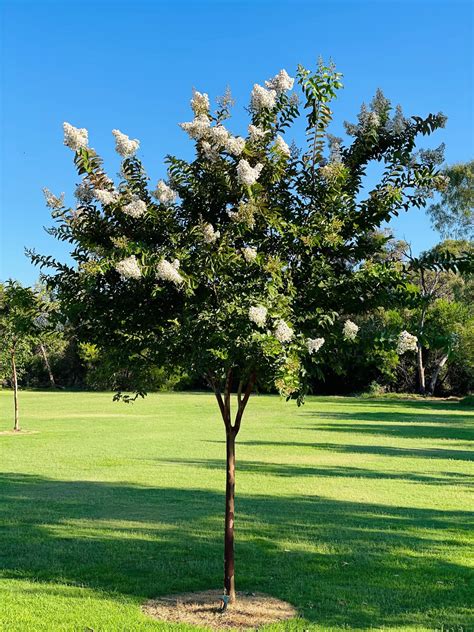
(355, 511)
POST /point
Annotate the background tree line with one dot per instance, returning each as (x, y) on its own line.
(437, 306)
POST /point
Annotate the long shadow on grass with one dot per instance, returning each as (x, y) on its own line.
(340, 563)
(412, 404)
(429, 453)
(406, 425)
(290, 471)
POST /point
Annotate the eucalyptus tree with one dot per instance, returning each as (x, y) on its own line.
(245, 262)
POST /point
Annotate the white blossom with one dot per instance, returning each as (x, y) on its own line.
(350, 330)
(262, 98)
(106, 197)
(406, 342)
(197, 129)
(200, 103)
(235, 145)
(246, 174)
(210, 235)
(219, 135)
(136, 208)
(283, 332)
(250, 254)
(168, 272)
(258, 315)
(75, 137)
(124, 145)
(84, 193)
(256, 133)
(282, 147)
(53, 201)
(128, 268)
(209, 151)
(314, 344)
(175, 263)
(164, 193)
(280, 82)
(373, 120)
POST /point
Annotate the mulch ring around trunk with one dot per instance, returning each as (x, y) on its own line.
(251, 610)
(18, 433)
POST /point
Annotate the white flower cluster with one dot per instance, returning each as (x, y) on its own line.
(128, 268)
(282, 147)
(124, 146)
(209, 234)
(200, 103)
(106, 197)
(262, 98)
(53, 201)
(219, 136)
(256, 133)
(248, 175)
(250, 254)
(84, 193)
(164, 193)
(314, 344)
(406, 342)
(350, 330)
(280, 82)
(136, 208)
(283, 332)
(258, 315)
(209, 151)
(75, 137)
(235, 145)
(169, 271)
(198, 128)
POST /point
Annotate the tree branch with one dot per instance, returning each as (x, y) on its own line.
(243, 402)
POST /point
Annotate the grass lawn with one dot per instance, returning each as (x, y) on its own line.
(358, 512)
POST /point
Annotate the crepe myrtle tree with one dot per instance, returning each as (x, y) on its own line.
(249, 257)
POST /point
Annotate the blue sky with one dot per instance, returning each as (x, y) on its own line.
(131, 65)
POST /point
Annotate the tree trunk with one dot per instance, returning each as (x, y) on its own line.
(48, 366)
(16, 426)
(229, 579)
(421, 369)
(437, 371)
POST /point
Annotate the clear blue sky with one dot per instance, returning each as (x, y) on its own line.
(132, 64)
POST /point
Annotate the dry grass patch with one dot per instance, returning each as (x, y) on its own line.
(250, 612)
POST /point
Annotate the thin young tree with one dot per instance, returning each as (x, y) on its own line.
(18, 330)
(246, 260)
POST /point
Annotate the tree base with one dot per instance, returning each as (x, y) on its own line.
(250, 611)
(18, 432)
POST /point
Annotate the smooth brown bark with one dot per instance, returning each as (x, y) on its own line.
(16, 426)
(229, 556)
(223, 401)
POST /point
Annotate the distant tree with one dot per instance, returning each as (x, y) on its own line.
(443, 278)
(19, 310)
(249, 258)
(453, 215)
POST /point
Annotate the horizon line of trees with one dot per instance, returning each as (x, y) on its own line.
(45, 353)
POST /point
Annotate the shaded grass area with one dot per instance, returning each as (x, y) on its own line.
(358, 512)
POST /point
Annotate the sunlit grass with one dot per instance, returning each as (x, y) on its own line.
(355, 511)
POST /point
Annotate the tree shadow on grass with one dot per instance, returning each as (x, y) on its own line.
(382, 450)
(404, 425)
(293, 470)
(340, 563)
(412, 404)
